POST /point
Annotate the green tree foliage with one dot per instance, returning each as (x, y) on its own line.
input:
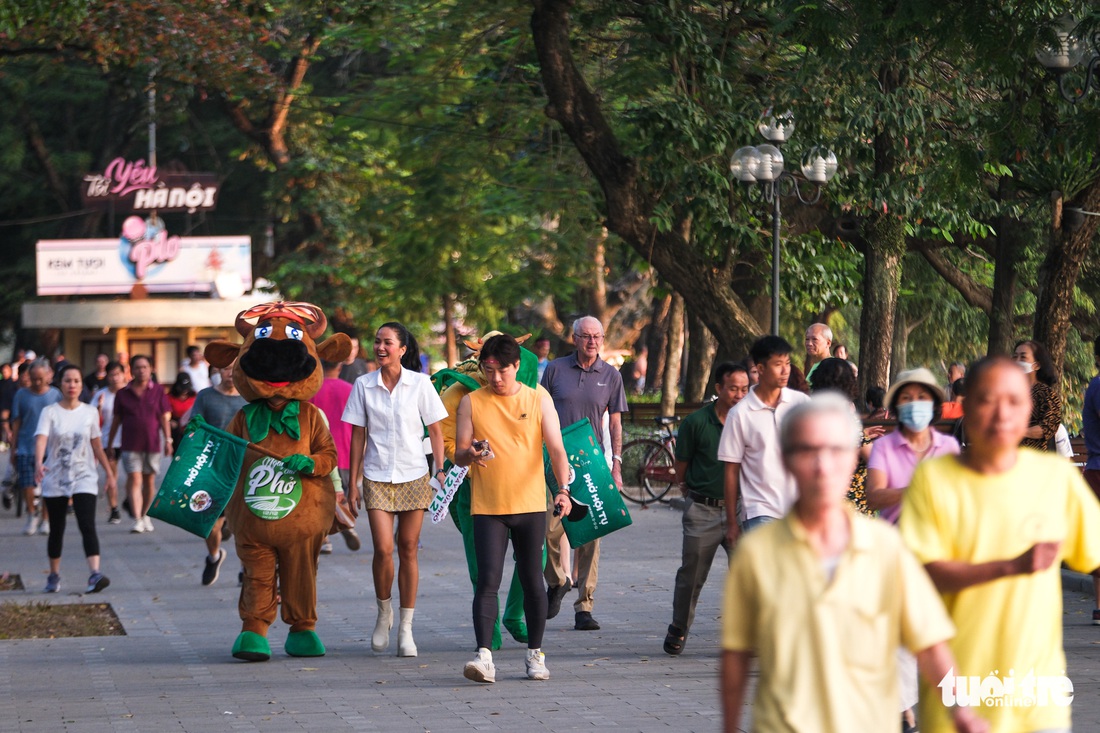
(444, 161)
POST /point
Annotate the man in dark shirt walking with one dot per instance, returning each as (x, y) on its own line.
(703, 483)
(141, 412)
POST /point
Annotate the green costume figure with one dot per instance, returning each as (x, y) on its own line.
(453, 385)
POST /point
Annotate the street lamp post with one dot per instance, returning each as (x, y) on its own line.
(763, 165)
(1067, 53)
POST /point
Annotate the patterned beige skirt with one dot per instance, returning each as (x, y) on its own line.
(405, 497)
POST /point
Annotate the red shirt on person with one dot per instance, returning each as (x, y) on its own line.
(140, 417)
(180, 405)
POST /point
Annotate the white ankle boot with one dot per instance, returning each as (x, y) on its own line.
(406, 647)
(380, 640)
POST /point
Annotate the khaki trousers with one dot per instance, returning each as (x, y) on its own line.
(588, 563)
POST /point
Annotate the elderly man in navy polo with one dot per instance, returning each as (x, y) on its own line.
(583, 385)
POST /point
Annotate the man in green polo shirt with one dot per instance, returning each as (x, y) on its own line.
(704, 487)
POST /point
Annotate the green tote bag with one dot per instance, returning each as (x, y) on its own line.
(201, 479)
(591, 483)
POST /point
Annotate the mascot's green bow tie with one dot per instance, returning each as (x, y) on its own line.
(261, 419)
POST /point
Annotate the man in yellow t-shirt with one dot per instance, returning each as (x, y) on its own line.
(992, 528)
(825, 596)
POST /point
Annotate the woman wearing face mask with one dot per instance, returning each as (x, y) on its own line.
(1046, 404)
(916, 400)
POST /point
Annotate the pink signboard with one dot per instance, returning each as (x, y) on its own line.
(132, 186)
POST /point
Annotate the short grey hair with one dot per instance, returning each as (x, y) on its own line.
(824, 328)
(579, 323)
(826, 402)
(40, 363)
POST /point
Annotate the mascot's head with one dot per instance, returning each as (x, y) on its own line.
(280, 356)
(528, 372)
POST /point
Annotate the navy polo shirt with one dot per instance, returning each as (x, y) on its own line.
(584, 393)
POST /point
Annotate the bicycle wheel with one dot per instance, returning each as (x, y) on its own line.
(636, 455)
(660, 472)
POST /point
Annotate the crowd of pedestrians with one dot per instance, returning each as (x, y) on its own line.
(867, 547)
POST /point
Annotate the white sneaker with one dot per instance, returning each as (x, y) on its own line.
(31, 527)
(148, 524)
(44, 527)
(481, 667)
(139, 527)
(536, 665)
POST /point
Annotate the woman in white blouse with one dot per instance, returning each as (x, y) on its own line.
(388, 410)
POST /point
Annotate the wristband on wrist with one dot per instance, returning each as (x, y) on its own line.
(617, 458)
(564, 491)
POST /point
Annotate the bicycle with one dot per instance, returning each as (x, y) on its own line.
(649, 464)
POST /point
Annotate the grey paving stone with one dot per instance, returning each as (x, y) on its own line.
(173, 671)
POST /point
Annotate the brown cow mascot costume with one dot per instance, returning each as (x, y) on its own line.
(282, 508)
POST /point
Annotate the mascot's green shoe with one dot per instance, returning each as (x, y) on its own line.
(304, 644)
(251, 647)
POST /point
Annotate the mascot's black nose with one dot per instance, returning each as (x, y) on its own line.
(282, 360)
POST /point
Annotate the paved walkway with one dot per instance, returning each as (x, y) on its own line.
(173, 671)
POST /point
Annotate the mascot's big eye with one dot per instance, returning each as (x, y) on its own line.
(263, 332)
(294, 332)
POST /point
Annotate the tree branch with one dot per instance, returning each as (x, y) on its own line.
(974, 293)
(572, 104)
(37, 143)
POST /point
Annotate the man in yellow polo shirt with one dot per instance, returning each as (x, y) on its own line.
(993, 527)
(825, 596)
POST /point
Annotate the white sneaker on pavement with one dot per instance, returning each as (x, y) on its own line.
(536, 665)
(481, 667)
(139, 526)
(148, 524)
(31, 527)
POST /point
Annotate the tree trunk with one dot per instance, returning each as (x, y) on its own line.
(701, 350)
(1011, 240)
(38, 144)
(631, 310)
(656, 336)
(674, 349)
(598, 300)
(899, 349)
(1011, 234)
(1058, 275)
(885, 247)
(449, 337)
(703, 282)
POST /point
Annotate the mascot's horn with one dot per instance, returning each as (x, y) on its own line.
(243, 327)
(317, 329)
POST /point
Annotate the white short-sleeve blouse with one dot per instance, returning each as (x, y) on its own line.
(394, 422)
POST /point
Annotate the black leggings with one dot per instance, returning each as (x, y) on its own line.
(491, 547)
(84, 509)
